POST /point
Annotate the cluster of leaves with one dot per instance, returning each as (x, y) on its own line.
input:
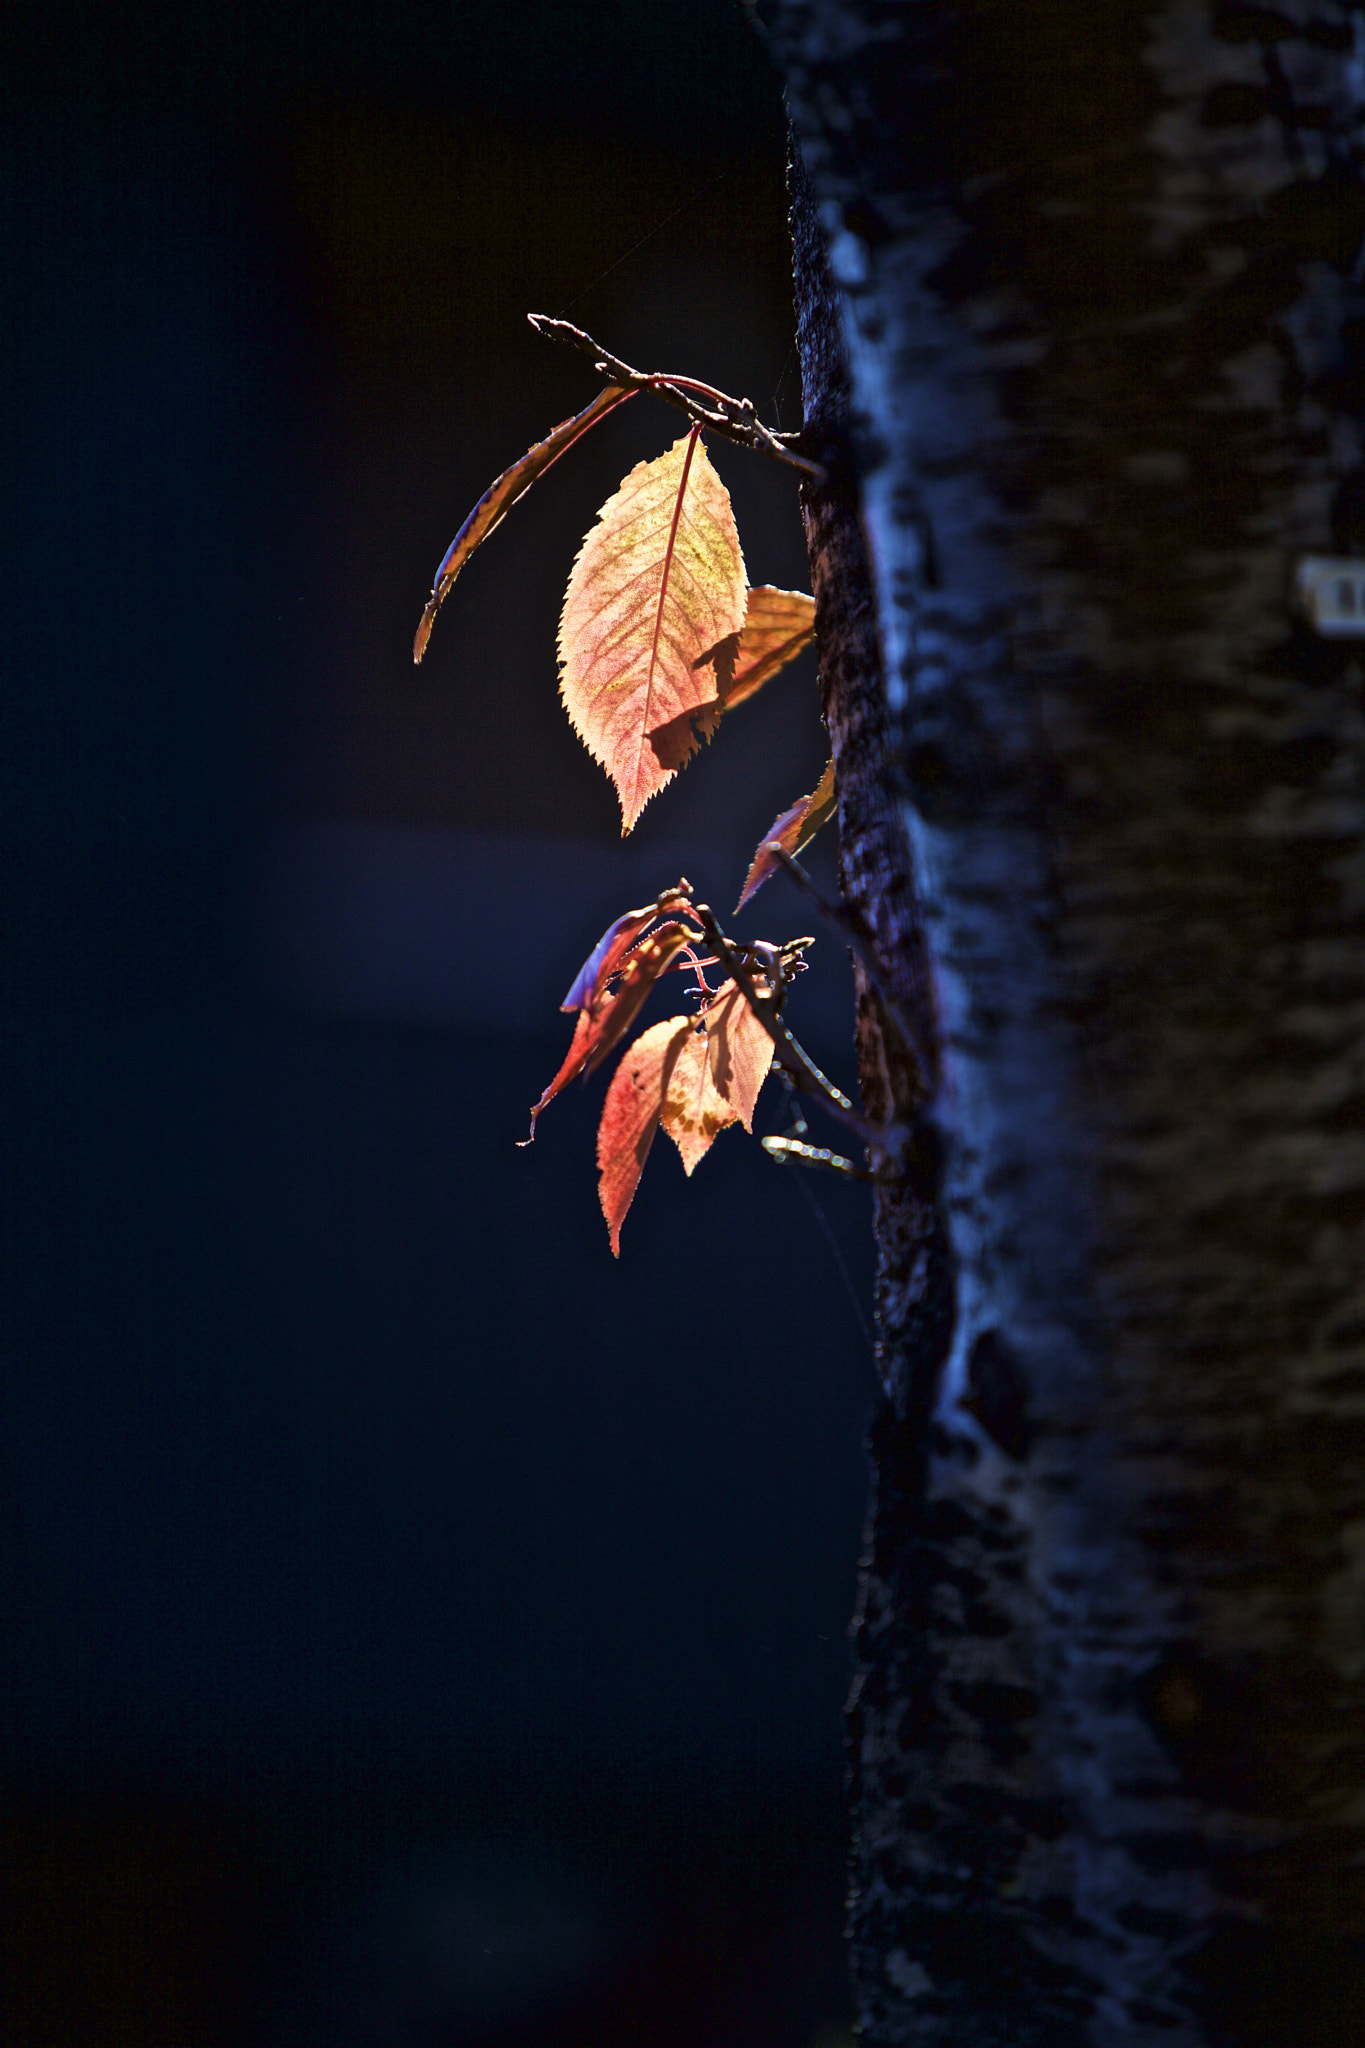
(661, 635)
(693, 1074)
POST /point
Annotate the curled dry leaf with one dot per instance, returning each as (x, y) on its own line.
(611, 990)
(617, 940)
(498, 500)
(777, 626)
(793, 830)
(657, 585)
(617, 1008)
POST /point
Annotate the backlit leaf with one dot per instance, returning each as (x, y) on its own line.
(630, 1116)
(658, 584)
(793, 830)
(777, 626)
(498, 500)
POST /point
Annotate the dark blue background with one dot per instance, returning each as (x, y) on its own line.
(418, 1627)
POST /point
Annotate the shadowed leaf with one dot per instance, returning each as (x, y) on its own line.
(740, 1051)
(694, 1110)
(777, 626)
(498, 500)
(630, 1116)
(793, 830)
(657, 584)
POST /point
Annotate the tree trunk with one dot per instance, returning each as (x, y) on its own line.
(1096, 276)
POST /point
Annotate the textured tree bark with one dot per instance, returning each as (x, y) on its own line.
(1098, 278)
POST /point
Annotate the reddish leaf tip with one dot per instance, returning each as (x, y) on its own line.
(790, 832)
(504, 492)
(424, 626)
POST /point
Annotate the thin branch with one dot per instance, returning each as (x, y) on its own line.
(791, 1145)
(734, 419)
(783, 1149)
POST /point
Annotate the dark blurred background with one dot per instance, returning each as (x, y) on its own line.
(418, 1628)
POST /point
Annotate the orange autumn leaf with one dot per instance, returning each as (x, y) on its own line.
(630, 1116)
(498, 500)
(777, 626)
(793, 830)
(657, 585)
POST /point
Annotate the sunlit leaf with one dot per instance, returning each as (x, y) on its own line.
(793, 830)
(498, 500)
(658, 583)
(630, 1116)
(615, 1004)
(777, 626)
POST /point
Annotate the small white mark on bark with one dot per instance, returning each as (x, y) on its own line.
(848, 260)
